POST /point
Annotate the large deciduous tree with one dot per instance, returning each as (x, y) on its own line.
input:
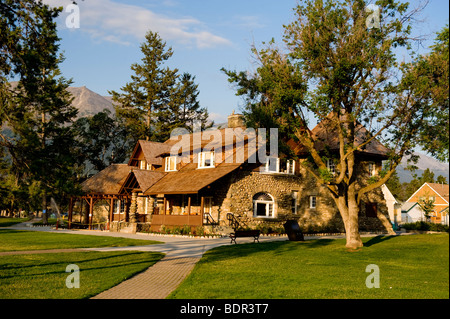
(340, 65)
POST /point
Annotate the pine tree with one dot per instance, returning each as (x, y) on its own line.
(157, 99)
(37, 110)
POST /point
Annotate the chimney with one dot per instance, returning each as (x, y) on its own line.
(236, 120)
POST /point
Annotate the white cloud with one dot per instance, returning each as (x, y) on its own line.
(122, 23)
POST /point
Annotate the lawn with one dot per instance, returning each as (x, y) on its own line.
(36, 276)
(43, 276)
(414, 266)
(12, 240)
(9, 221)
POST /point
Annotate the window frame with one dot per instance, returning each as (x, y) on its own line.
(167, 161)
(270, 211)
(313, 202)
(202, 158)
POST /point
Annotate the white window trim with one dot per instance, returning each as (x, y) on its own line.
(267, 203)
(202, 156)
(290, 166)
(372, 169)
(313, 202)
(331, 166)
(268, 162)
(168, 161)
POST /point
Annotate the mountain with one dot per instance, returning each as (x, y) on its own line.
(438, 168)
(88, 102)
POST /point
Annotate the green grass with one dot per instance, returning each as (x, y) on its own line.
(18, 240)
(43, 276)
(9, 221)
(414, 266)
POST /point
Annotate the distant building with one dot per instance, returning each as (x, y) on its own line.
(438, 193)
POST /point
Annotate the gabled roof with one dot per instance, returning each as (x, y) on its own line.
(140, 180)
(442, 190)
(151, 150)
(107, 181)
(325, 136)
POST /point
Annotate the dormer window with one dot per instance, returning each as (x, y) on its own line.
(331, 166)
(205, 159)
(372, 169)
(272, 165)
(142, 164)
(171, 163)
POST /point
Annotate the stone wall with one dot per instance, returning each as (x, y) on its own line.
(235, 195)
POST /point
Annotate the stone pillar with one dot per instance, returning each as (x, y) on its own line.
(133, 208)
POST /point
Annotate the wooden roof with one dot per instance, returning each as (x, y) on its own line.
(140, 180)
(151, 151)
(325, 136)
(189, 180)
(107, 181)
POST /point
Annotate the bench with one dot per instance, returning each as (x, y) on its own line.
(245, 233)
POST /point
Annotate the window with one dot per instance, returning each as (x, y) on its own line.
(331, 166)
(142, 164)
(371, 209)
(272, 165)
(290, 166)
(263, 205)
(205, 159)
(294, 202)
(120, 206)
(312, 201)
(171, 164)
(372, 169)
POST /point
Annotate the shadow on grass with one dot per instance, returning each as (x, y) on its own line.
(377, 240)
(110, 262)
(276, 247)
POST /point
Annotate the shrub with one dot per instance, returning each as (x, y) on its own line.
(424, 226)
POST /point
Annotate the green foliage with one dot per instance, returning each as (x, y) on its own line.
(425, 226)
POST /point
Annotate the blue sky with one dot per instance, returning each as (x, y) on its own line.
(205, 36)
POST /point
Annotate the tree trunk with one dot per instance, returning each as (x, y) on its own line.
(44, 209)
(349, 214)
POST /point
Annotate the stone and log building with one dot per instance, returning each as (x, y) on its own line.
(214, 179)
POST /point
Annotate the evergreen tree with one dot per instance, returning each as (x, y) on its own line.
(158, 99)
(37, 110)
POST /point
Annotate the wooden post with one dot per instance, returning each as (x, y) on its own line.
(189, 205)
(91, 212)
(111, 210)
(202, 206)
(70, 213)
(165, 205)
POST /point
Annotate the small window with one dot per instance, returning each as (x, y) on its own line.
(294, 202)
(290, 166)
(331, 166)
(205, 159)
(312, 201)
(272, 165)
(171, 163)
(142, 164)
(372, 169)
(263, 205)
